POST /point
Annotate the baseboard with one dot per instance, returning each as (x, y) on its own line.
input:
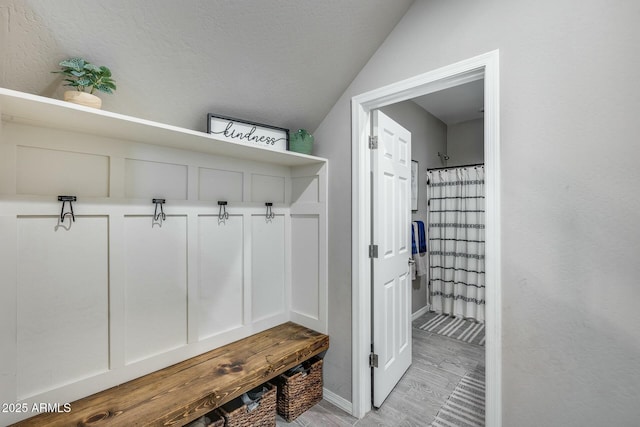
(420, 312)
(338, 401)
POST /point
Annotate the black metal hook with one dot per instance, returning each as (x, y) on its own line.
(222, 213)
(270, 214)
(156, 215)
(64, 200)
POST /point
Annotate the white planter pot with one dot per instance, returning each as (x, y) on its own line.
(83, 98)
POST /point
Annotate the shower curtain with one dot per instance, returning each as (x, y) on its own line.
(456, 241)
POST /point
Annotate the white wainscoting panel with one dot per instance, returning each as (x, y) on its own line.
(305, 297)
(216, 184)
(268, 266)
(265, 188)
(221, 274)
(45, 172)
(305, 189)
(155, 286)
(63, 304)
(146, 179)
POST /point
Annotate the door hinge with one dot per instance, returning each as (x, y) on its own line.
(373, 251)
(373, 142)
(373, 360)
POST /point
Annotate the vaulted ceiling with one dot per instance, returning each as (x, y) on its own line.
(281, 62)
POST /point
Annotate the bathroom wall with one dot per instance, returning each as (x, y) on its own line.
(465, 143)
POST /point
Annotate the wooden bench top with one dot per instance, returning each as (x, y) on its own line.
(187, 390)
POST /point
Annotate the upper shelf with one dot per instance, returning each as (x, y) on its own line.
(40, 111)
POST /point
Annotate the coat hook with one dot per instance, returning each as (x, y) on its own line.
(64, 200)
(222, 213)
(270, 214)
(157, 215)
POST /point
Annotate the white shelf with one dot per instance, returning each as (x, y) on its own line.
(36, 110)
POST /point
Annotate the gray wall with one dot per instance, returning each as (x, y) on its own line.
(465, 143)
(570, 234)
(428, 137)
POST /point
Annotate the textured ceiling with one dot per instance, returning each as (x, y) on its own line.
(281, 62)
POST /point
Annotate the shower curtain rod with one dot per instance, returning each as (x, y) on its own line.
(455, 167)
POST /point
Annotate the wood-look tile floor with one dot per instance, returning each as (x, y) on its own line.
(438, 365)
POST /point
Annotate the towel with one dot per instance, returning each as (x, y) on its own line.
(418, 238)
(414, 233)
(422, 239)
(200, 422)
(419, 264)
(252, 398)
(418, 251)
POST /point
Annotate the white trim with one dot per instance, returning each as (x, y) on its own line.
(483, 66)
(338, 401)
(493, 256)
(420, 312)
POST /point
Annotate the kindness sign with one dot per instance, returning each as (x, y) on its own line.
(236, 130)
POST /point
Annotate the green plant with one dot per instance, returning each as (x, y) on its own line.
(84, 76)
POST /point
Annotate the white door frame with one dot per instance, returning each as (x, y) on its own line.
(483, 66)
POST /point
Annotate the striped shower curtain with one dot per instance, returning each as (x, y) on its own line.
(456, 241)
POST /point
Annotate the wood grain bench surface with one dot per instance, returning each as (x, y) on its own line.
(187, 390)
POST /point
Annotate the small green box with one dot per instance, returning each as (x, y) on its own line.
(301, 142)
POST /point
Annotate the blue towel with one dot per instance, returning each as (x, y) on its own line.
(414, 248)
(422, 240)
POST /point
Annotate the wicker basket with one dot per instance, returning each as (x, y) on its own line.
(212, 419)
(215, 420)
(300, 391)
(236, 413)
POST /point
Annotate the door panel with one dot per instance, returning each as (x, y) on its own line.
(391, 212)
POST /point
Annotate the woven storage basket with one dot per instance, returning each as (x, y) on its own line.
(299, 392)
(215, 419)
(212, 419)
(236, 413)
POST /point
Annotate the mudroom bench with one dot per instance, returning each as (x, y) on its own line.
(183, 392)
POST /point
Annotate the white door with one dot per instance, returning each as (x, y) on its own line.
(391, 293)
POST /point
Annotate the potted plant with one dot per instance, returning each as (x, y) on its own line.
(86, 78)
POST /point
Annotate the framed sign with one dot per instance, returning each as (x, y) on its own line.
(414, 185)
(236, 130)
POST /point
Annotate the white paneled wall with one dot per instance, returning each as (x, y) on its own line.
(58, 172)
(265, 188)
(308, 244)
(267, 266)
(216, 184)
(155, 285)
(62, 304)
(305, 271)
(220, 297)
(145, 179)
(116, 294)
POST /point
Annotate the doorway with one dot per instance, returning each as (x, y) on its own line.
(481, 67)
